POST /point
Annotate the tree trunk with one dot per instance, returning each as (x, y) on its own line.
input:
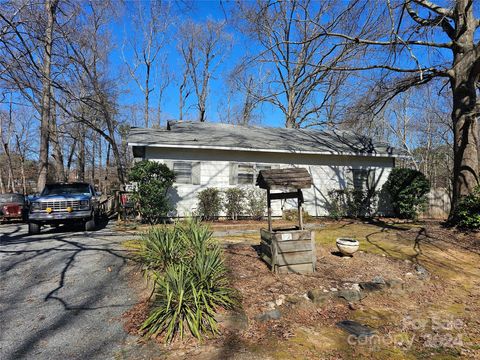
(464, 77)
(466, 141)
(2, 187)
(147, 94)
(50, 8)
(57, 148)
(81, 154)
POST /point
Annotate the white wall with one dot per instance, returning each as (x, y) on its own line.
(328, 172)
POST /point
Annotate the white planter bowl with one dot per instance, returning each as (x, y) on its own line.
(347, 246)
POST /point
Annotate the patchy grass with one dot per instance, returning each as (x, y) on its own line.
(407, 321)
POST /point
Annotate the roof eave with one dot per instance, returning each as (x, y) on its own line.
(283, 151)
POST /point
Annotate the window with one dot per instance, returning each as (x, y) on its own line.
(245, 174)
(183, 172)
(186, 172)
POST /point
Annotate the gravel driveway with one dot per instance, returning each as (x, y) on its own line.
(62, 294)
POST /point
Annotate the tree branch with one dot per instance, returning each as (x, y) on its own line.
(435, 8)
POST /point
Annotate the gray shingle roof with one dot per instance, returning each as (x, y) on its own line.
(252, 138)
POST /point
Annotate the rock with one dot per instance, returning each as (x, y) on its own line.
(235, 322)
(421, 272)
(371, 286)
(318, 296)
(395, 284)
(408, 274)
(293, 299)
(333, 289)
(279, 302)
(269, 315)
(355, 328)
(351, 296)
(325, 290)
(355, 287)
(378, 280)
(271, 305)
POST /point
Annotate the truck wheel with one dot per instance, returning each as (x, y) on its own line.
(90, 224)
(33, 228)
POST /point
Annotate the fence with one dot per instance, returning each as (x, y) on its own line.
(438, 205)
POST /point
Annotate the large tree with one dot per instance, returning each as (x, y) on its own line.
(151, 21)
(288, 35)
(426, 41)
(202, 47)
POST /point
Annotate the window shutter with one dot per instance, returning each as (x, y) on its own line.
(196, 173)
(233, 173)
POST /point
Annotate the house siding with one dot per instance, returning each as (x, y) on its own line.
(328, 172)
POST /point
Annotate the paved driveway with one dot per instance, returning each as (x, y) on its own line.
(62, 294)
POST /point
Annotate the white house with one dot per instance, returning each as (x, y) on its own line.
(218, 155)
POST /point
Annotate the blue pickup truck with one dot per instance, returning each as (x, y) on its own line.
(62, 203)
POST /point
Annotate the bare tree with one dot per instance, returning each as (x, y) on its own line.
(50, 10)
(203, 47)
(147, 41)
(448, 36)
(300, 83)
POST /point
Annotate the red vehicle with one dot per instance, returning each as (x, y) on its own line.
(12, 207)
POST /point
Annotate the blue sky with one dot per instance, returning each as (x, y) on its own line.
(131, 94)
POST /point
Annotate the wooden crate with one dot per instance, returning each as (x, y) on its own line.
(289, 250)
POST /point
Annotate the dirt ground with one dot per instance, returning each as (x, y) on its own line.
(433, 313)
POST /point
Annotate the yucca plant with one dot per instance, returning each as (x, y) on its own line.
(190, 290)
(183, 303)
(160, 247)
(195, 235)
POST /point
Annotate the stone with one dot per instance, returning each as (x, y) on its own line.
(421, 272)
(355, 287)
(395, 284)
(333, 289)
(355, 328)
(318, 297)
(371, 286)
(293, 299)
(235, 322)
(279, 302)
(378, 280)
(351, 296)
(269, 315)
(271, 305)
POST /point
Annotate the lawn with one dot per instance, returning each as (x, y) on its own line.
(433, 313)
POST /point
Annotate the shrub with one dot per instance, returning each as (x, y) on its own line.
(234, 202)
(189, 290)
(408, 189)
(351, 203)
(209, 203)
(256, 203)
(467, 213)
(153, 181)
(292, 215)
